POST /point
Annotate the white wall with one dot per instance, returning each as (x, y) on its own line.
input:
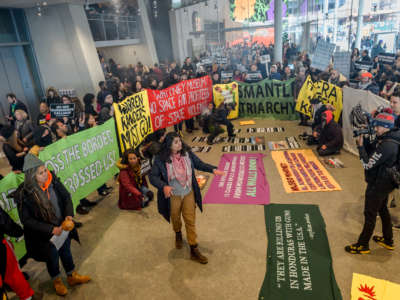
(126, 55)
(64, 48)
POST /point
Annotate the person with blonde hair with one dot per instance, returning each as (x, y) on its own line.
(24, 127)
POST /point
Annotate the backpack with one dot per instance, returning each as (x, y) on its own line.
(394, 171)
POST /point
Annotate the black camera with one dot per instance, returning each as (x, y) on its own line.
(362, 121)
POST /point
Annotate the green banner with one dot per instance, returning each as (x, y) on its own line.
(8, 185)
(299, 263)
(85, 160)
(272, 99)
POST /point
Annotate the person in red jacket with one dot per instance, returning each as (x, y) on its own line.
(133, 189)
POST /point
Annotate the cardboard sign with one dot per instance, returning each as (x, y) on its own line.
(341, 62)
(367, 66)
(254, 76)
(62, 110)
(322, 55)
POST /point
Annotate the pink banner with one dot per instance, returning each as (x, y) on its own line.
(244, 182)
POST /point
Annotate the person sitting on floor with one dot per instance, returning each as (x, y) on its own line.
(220, 117)
(331, 136)
(133, 189)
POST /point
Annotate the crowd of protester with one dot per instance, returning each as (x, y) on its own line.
(24, 136)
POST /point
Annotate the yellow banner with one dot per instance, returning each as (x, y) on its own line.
(326, 92)
(227, 93)
(133, 120)
(369, 288)
(301, 171)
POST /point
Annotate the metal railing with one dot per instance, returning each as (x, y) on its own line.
(106, 27)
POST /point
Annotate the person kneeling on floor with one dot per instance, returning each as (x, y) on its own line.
(220, 117)
(331, 136)
(376, 157)
(44, 207)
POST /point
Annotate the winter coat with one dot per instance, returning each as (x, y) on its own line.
(8, 226)
(104, 114)
(25, 130)
(159, 178)
(53, 100)
(331, 136)
(130, 196)
(379, 155)
(18, 105)
(16, 162)
(37, 231)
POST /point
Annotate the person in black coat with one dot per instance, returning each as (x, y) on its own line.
(376, 157)
(14, 105)
(178, 191)
(13, 148)
(43, 205)
(331, 136)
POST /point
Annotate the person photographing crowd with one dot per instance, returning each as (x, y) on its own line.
(376, 157)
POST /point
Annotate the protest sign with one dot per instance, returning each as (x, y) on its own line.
(179, 102)
(243, 183)
(366, 66)
(341, 62)
(369, 288)
(322, 55)
(85, 160)
(60, 110)
(228, 94)
(8, 185)
(326, 93)
(265, 59)
(299, 262)
(133, 119)
(301, 171)
(387, 58)
(226, 75)
(267, 99)
(253, 76)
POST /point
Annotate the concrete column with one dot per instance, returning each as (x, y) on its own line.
(325, 13)
(278, 31)
(335, 22)
(65, 49)
(305, 37)
(147, 31)
(359, 23)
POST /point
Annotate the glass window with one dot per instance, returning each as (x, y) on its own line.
(7, 32)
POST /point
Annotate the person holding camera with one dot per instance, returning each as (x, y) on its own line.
(376, 157)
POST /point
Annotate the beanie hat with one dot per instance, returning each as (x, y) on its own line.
(7, 131)
(366, 74)
(31, 161)
(384, 120)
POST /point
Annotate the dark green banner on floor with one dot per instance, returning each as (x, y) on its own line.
(299, 262)
(272, 99)
(8, 185)
(85, 160)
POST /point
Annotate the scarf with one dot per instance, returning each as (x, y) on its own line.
(137, 175)
(181, 169)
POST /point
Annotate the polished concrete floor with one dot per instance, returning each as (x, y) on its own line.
(131, 255)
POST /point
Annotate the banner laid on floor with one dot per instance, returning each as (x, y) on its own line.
(179, 102)
(133, 119)
(301, 171)
(299, 262)
(271, 99)
(8, 185)
(243, 183)
(370, 288)
(85, 160)
(369, 102)
(227, 93)
(324, 91)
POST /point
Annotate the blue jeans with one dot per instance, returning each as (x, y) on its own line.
(64, 253)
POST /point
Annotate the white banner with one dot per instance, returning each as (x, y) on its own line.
(352, 97)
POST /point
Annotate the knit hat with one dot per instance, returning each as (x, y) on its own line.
(31, 161)
(366, 74)
(384, 120)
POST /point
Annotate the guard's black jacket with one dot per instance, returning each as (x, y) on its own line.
(379, 155)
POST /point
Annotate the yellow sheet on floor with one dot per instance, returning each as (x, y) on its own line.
(249, 122)
(370, 288)
(301, 171)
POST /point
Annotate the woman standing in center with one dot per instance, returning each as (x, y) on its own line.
(178, 191)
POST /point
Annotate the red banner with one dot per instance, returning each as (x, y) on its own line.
(179, 102)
